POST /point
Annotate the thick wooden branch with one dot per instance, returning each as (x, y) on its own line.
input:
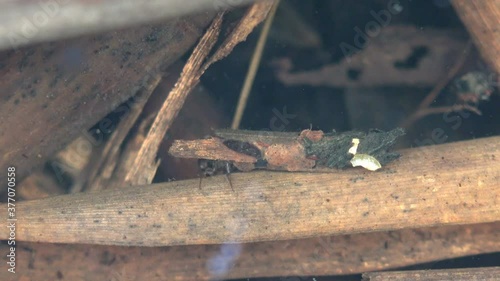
(478, 274)
(482, 19)
(448, 184)
(333, 255)
(28, 22)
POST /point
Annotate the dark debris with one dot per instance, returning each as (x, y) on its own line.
(332, 150)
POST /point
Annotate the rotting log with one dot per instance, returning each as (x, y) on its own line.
(53, 92)
(477, 274)
(345, 254)
(28, 22)
(449, 184)
(482, 19)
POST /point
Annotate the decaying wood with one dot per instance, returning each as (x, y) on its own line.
(56, 91)
(143, 164)
(347, 254)
(449, 184)
(482, 19)
(27, 22)
(102, 169)
(212, 148)
(143, 161)
(307, 151)
(465, 274)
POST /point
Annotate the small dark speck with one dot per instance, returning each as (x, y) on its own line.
(386, 245)
(97, 221)
(192, 226)
(366, 214)
(327, 200)
(170, 215)
(297, 184)
(24, 155)
(77, 88)
(355, 179)
(124, 237)
(153, 36)
(442, 157)
(120, 212)
(16, 101)
(460, 184)
(59, 275)
(353, 74)
(133, 226)
(157, 225)
(366, 200)
(395, 196)
(45, 105)
(107, 258)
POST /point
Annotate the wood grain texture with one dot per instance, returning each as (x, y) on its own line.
(482, 19)
(449, 184)
(465, 274)
(54, 92)
(27, 22)
(333, 255)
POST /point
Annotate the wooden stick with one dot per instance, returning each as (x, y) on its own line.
(478, 274)
(349, 254)
(143, 161)
(449, 184)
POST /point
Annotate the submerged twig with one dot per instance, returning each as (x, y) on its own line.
(423, 108)
(265, 204)
(143, 167)
(252, 69)
(304, 151)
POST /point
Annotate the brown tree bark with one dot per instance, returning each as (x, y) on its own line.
(449, 184)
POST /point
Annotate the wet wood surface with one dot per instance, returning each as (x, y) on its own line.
(27, 22)
(477, 274)
(449, 184)
(53, 92)
(333, 255)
